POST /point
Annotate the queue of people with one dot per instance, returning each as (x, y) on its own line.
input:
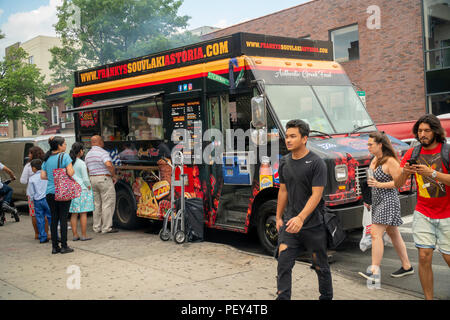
(96, 178)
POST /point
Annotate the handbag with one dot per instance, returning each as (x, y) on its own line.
(66, 188)
(335, 233)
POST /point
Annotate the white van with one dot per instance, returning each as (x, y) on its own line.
(14, 153)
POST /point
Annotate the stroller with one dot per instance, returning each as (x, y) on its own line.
(4, 208)
(176, 231)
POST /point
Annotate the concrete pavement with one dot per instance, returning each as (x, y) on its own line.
(138, 265)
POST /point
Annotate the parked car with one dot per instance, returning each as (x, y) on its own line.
(14, 155)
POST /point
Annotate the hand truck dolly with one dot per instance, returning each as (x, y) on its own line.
(176, 231)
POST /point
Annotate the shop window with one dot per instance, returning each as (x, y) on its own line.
(345, 43)
(114, 124)
(146, 120)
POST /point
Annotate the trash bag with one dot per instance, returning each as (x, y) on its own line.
(194, 219)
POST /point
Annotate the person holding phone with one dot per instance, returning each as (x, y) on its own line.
(386, 213)
(431, 222)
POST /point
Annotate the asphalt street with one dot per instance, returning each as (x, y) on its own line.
(349, 259)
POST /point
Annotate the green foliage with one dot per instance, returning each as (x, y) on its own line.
(22, 90)
(105, 31)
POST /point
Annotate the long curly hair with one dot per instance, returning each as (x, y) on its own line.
(435, 125)
(386, 148)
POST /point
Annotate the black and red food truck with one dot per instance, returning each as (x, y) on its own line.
(214, 92)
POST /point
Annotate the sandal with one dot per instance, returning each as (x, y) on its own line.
(85, 239)
(76, 238)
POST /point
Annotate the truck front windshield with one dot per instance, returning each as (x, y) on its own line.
(329, 109)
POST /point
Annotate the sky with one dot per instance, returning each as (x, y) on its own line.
(22, 20)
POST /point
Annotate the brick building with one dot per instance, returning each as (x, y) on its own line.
(383, 46)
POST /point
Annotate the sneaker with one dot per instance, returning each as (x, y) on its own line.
(66, 250)
(402, 272)
(113, 230)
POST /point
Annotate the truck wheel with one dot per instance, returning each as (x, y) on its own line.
(267, 226)
(125, 215)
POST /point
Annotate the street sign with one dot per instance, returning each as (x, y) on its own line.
(362, 96)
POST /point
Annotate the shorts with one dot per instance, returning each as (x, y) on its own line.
(429, 232)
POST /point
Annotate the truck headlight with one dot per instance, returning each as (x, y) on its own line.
(341, 173)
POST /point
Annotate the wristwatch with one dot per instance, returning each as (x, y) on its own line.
(434, 174)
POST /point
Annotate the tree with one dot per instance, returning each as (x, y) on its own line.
(22, 90)
(97, 32)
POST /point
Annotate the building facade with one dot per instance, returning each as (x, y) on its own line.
(38, 50)
(381, 45)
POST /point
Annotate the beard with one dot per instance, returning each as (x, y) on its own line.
(429, 142)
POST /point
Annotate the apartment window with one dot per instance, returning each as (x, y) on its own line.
(69, 116)
(31, 60)
(437, 33)
(345, 43)
(55, 115)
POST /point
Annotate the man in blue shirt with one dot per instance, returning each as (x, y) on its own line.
(37, 190)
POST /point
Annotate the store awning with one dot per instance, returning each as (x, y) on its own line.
(113, 103)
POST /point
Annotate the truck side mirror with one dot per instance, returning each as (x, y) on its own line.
(259, 118)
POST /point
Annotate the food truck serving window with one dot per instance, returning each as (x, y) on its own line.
(146, 120)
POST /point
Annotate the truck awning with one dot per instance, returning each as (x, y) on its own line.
(113, 103)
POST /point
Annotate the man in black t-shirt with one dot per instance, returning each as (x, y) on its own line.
(303, 177)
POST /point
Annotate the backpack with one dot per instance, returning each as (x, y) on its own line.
(445, 154)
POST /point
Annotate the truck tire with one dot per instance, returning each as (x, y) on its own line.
(125, 215)
(267, 226)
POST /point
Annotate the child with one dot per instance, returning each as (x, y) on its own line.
(37, 190)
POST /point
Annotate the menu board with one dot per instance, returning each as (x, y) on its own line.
(186, 115)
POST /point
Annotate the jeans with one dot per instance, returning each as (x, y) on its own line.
(42, 210)
(59, 211)
(314, 240)
(7, 192)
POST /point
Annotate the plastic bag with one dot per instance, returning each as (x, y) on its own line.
(366, 240)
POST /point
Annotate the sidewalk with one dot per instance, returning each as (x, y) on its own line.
(137, 265)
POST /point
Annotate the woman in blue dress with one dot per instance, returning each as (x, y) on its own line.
(85, 203)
